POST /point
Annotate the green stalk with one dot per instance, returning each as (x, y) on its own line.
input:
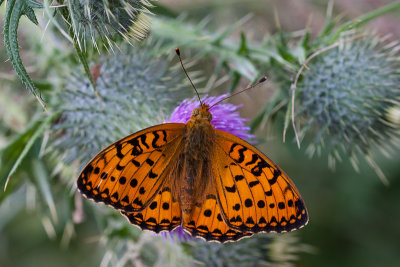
(363, 19)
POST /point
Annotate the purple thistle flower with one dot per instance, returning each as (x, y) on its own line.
(177, 232)
(225, 117)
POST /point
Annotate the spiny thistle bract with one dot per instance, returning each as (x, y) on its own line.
(136, 85)
(104, 19)
(345, 96)
(259, 250)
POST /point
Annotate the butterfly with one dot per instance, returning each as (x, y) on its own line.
(215, 185)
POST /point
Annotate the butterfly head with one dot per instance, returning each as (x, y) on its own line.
(202, 113)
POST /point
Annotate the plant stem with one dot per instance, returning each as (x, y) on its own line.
(361, 20)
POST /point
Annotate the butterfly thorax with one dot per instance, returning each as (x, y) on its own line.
(198, 140)
(198, 133)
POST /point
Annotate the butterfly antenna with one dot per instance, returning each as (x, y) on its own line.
(263, 79)
(187, 75)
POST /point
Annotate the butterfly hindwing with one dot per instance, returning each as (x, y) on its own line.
(162, 214)
(207, 222)
(255, 195)
(129, 173)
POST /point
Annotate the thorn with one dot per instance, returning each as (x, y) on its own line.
(5, 186)
(41, 101)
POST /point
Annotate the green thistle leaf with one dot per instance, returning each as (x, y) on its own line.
(15, 10)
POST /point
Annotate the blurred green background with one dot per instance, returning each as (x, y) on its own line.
(354, 217)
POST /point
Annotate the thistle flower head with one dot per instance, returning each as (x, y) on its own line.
(136, 86)
(178, 233)
(225, 117)
(94, 20)
(345, 97)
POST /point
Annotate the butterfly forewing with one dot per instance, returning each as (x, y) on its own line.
(254, 194)
(129, 173)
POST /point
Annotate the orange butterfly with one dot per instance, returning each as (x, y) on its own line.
(212, 183)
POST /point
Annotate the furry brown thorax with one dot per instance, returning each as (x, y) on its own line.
(198, 133)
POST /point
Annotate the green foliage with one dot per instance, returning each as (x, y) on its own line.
(200, 39)
(15, 10)
(12, 155)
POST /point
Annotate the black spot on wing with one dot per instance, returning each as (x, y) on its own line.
(152, 175)
(138, 202)
(253, 160)
(153, 205)
(261, 204)
(164, 135)
(142, 190)
(133, 183)
(136, 149)
(118, 147)
(257, 170)
(254, 183)
(231, 189)
(125, 200)
(276, 174)
(239, 178)
(122, 180)
(149, 162)
(241, 155)
(268, 193)
(207, 213)
(143, 140)
(248, 203)
(88, 169)
(155, 139)
(250, 220)
(135, 162)
(119, 167)
(232, 147)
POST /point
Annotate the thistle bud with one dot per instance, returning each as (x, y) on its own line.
(136, 87)
(345, 96)
(94, 20)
